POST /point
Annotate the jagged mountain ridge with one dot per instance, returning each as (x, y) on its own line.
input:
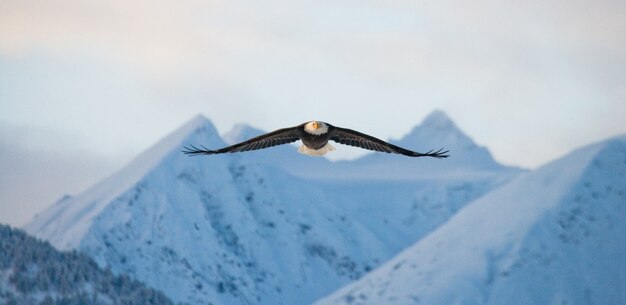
(33, 272)
(238, 229)
(552, 236)
(437, 130)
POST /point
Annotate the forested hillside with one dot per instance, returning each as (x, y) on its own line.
(33, 272)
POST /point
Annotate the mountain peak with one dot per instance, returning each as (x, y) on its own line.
(198, 121)
(437, 118)
(79, 211)
(437, 130)
(197, 129)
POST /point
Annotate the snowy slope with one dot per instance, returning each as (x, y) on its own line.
(242, 229)
(552, 236)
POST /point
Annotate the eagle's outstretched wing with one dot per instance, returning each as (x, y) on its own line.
(358, 139)
(277, 137)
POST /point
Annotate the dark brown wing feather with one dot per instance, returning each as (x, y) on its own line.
(277, 137)
(358, 139)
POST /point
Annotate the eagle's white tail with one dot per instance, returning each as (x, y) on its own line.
(316, 152)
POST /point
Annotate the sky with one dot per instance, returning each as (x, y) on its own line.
(87, 85)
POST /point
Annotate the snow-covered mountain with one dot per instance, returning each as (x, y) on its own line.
(436, 131)
(264, 227)
(552, 236)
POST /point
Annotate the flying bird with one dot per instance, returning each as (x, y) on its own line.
(314, 136)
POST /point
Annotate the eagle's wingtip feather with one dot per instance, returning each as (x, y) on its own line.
(441, 153)
(192, 150)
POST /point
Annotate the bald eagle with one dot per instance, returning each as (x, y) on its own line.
(315, 136)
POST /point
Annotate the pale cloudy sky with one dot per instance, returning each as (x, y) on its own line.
(86, 85)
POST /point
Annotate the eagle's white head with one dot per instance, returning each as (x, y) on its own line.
(316, 128)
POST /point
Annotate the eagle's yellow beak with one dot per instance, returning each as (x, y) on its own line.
(315, 125)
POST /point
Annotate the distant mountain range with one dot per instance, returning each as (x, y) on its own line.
(276, 227)
(33, 272)
(270, 227)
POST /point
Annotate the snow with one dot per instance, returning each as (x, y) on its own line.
(552, 236)
(267, 227)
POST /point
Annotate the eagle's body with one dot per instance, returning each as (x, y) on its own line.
(315, 140)
(315, 137)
